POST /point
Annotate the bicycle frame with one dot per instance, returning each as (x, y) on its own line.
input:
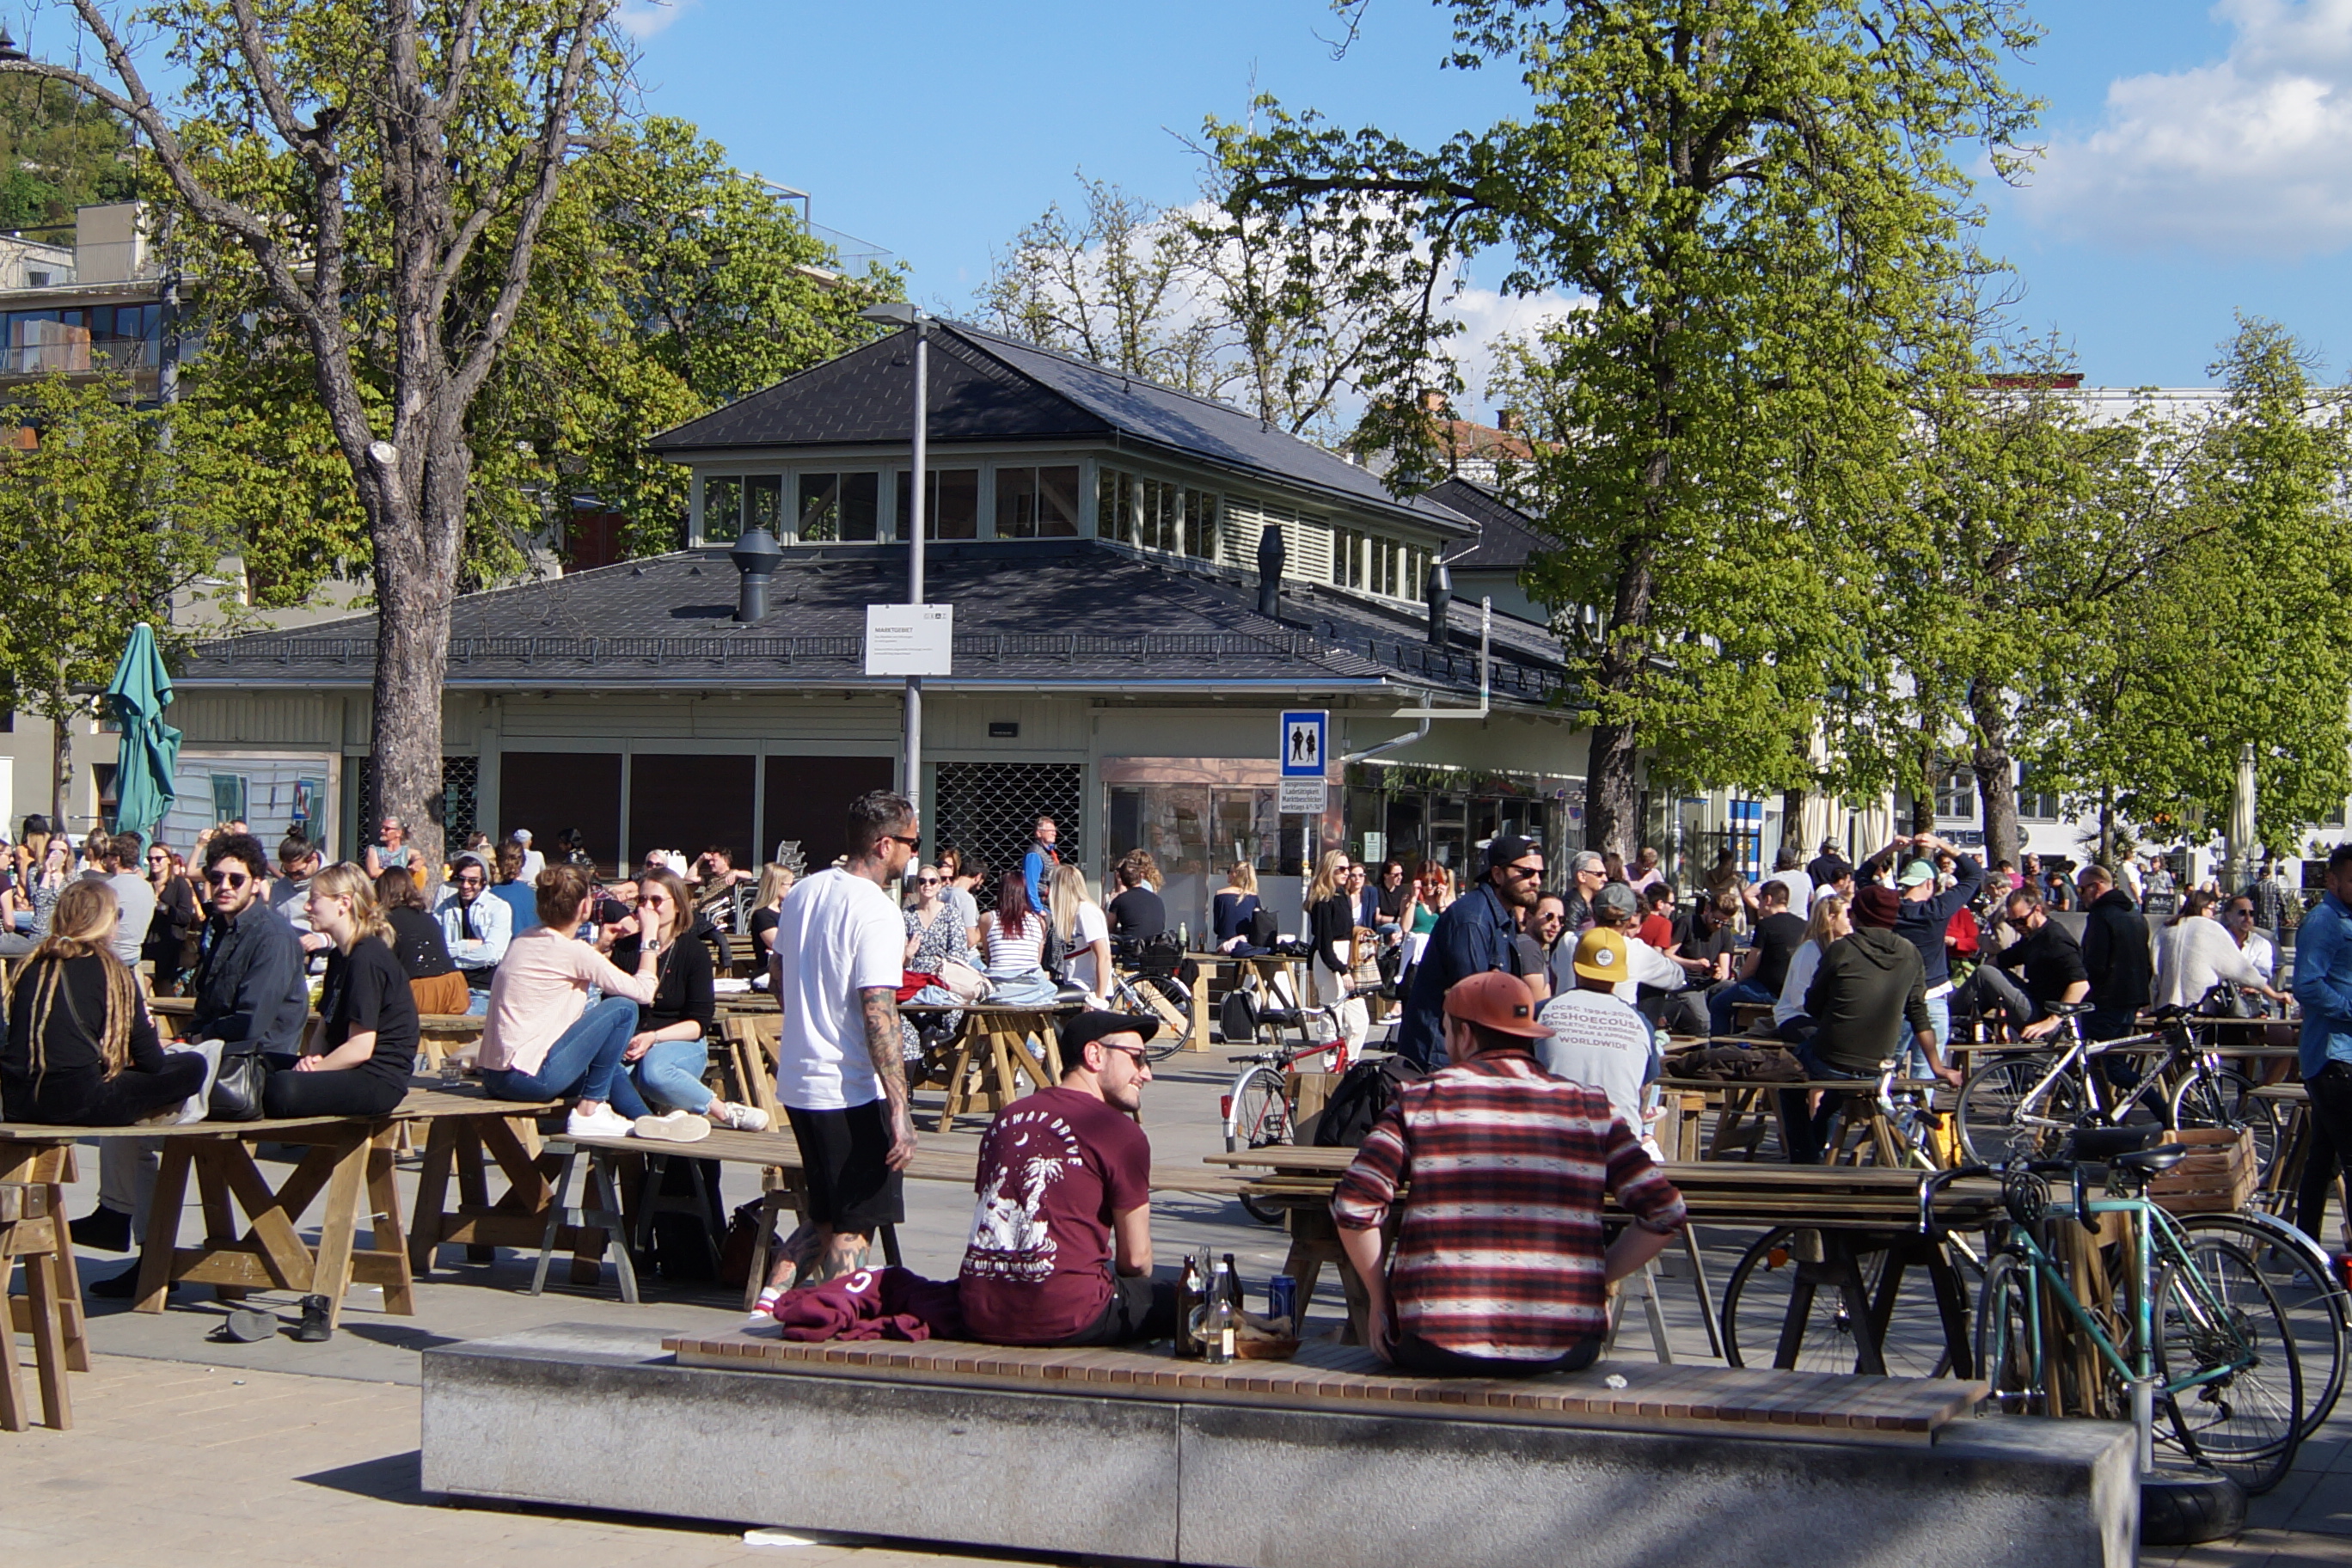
(2076, 1058)
(2139, 1371)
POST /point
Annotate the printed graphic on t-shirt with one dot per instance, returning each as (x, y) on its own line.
(1030, 1151)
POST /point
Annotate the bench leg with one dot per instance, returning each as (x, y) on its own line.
(554, 1221)
(330, 1270)
(432, 1197)
(14, 1417)
(164, 1225)
(1707, 1311)
(383, 1221)
(601, 1190)
(48, 1340)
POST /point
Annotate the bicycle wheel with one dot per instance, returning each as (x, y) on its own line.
(1783, 1307)
(2223, 1098)
(2224, 1346)
(2007, 1359)
(1260, 1116)
(2317, 1307)
(1998, 1125)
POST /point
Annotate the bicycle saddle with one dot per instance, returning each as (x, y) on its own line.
(2110, 1143)
(2067, 1009)
(2154, 1162)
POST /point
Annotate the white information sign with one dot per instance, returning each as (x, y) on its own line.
(1303, 737)
(1304, 798)
(909, 639)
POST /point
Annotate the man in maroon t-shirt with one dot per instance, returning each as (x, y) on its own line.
(1061, 1237)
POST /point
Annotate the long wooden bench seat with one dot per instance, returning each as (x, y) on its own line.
(1327, 1459)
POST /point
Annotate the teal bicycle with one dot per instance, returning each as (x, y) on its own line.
(2196, 1329)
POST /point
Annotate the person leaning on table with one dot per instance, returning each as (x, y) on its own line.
(1499, 1267)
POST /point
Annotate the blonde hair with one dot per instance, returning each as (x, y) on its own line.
(1826, 908)
(345, 881)
(1068, 892)
(1245, 877)
(775, 882)
(1327, 876)
(79, 928)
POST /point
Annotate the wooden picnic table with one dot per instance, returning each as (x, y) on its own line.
(437, 1034)
(990, 1053)
(1857, 1208)
(349, 1159)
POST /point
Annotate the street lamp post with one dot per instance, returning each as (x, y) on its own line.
(905, 315)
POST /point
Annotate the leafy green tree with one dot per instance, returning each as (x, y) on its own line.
(59, 150)
(386, 169)
(2232, 624)
(1758, 207)
(107, 512)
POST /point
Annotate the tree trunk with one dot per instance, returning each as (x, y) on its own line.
(1996, 776)
(415, 580)
(1611, 802)
(1792, 817)
(60, 772)
(2107, 827)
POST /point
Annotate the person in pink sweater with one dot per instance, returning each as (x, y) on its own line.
(541, 1040)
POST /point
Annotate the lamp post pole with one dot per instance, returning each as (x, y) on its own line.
(917, 479)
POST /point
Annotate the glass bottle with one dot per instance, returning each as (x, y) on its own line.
(1220, 1322)
(1188, 1304)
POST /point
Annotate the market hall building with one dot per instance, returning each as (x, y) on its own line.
(1142, 582)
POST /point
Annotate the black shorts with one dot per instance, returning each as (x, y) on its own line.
(845, 1160)
(1139, 1309)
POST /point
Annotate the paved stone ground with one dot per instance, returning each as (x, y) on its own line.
(318, 1464)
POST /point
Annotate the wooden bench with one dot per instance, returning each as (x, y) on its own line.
(32, 1229)
(1325, 1458)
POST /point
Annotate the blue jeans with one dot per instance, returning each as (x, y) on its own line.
(1719, 1005)
(584, 1063)
(1939, 1018)
(478, 1003)
(671, 1074)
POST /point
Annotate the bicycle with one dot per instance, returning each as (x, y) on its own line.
(2197, 1328)
(1258, 1108)
(1805, 1298)
(2026, 1105)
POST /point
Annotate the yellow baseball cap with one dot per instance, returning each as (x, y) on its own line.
(1600, 954)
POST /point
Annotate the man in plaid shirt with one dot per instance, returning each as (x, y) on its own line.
(1499, 1268)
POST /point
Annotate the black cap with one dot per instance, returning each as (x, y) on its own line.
(1081, 1029)
(1502, 851)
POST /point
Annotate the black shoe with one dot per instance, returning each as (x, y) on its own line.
(103, 1229)
(313, 1330)
(121, 1287)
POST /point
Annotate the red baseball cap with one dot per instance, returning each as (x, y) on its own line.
(1501, 1001)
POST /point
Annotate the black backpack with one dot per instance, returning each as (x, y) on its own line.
(1366, 1091)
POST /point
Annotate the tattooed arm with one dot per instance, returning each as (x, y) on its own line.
(879, 1007)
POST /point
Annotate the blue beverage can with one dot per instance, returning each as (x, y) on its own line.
(1281, 1299)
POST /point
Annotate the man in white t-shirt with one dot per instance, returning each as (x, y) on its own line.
(1597, 1039)
(841, 948)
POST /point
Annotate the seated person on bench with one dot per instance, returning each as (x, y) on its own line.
(1869, 997)
(364, 1045)
(81, 1051)
(1061, 1236)
(1499, 1269)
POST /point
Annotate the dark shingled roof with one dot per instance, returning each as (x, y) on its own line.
(986, 389)
(1506, 536)
(1029, 614)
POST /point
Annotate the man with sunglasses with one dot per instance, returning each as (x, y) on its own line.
(2238, 919)
(1479, 932)
(477, 927)
(250, 994)
(1061, 1236)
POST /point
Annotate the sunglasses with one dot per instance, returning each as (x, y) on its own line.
(226, 880)
(927, 881)
(902, 838)
(1524, 871)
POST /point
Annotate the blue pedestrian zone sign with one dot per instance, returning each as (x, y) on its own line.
(1303, 749)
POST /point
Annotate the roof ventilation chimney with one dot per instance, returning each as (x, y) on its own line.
(1440, 601)
(1270, 557)
(756, 556)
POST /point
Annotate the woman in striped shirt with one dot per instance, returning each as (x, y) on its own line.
(1499, 1267)
(1012, 935)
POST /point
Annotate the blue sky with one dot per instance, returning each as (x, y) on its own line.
(2199, 163)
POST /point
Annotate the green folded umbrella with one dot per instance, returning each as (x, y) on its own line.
(141, 690)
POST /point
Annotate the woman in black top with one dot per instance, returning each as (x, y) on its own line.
(670, 1052)
(1331, 927)
(167, 944)
(418, 943)
(81, 1051)
(364, 1046)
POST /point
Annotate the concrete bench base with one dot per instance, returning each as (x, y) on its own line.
(603, 1418)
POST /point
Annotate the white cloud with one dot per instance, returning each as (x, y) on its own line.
(2249, 156)
(1487, 317)
(641, 19)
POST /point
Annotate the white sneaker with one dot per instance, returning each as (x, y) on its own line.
(740, 1118)
(605, 1122)
(673, 1127)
